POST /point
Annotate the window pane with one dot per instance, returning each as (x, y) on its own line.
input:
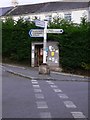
(67, 16)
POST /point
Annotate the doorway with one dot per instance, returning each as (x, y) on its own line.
(38, 55)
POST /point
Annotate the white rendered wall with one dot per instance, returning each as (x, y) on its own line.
(76, 15)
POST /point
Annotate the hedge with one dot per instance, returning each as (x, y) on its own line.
(73, 43)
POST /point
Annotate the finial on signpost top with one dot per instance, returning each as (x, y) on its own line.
(14, 3)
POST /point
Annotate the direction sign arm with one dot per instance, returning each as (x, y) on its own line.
(30, 33)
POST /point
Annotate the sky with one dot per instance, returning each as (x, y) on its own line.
(7, 3)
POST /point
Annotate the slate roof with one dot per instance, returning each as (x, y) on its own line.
(4, 10)
(47, 7)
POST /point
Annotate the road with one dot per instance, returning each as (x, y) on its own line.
(25, 98)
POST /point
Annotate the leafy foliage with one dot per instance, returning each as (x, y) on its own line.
(73, 43)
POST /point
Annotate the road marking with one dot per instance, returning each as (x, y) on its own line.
(34, 82)
(53, 86)
(57, 90)
(39, 96)
(36, 86)
(48, 81)
(41, 104)
(69, 104)
(45, 115)
(78, 115)
(51, 83)
(37, 90)
(63, 96)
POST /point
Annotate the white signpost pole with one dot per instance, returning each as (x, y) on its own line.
(44, 68)
(45, 42)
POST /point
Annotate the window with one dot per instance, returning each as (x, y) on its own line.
(67, 16)
(48, 17)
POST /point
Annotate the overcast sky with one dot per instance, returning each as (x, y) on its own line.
(6, 3)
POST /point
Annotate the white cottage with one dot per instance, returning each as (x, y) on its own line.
(72, 11)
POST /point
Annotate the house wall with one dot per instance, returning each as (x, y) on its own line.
(75, 15)
(76, 0)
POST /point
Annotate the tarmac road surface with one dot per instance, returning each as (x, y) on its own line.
(25, 98)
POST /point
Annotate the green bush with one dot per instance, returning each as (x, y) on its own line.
(73, 43)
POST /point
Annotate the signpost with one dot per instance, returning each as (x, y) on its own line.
(45, 42)
(40, 23)
(36, 33)
(54, 30)
(43, 33)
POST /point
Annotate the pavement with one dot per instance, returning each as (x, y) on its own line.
(33, 73)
